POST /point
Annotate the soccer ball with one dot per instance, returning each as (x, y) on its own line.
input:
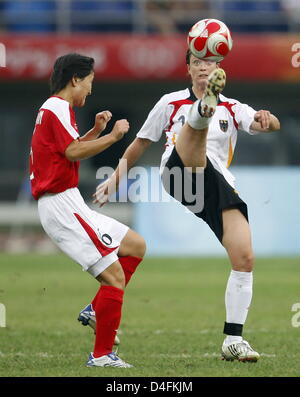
(210, 39)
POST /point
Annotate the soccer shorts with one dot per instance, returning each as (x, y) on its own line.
(88, 237)
(218, 194)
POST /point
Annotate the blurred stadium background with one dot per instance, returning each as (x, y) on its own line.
(139, 47)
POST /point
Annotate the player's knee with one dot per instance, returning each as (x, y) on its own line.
(245, 262)
(140, 247)
(133, 245)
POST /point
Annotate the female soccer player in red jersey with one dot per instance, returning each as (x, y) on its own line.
(104, 247)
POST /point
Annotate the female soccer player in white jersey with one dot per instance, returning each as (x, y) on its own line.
(201, 127)
(104, 247)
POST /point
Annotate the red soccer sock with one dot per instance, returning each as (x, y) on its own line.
(129, 265)
(108, 309)
(94, 301)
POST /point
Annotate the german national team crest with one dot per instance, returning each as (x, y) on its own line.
(223, 125)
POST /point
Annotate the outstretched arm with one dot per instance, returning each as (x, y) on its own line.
(132, 154)
(264, 121)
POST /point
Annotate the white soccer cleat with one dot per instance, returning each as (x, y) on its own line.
(109, 360)
(216, 84)
(87, 317)
(240, 351)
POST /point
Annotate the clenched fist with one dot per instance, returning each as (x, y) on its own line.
(263, 117)
(121, 127)
(101, 120)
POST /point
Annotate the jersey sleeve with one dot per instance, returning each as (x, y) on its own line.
(244, 115)
(63, 131)
(156, 121)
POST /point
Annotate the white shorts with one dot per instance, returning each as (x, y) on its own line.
(88, 237)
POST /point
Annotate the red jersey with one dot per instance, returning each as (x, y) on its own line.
(55, 129)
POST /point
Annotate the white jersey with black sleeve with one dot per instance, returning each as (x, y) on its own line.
(170, 113)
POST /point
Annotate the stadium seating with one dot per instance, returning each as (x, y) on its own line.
(29, 16)
(102, 16)
(136, 16)
(254, 15)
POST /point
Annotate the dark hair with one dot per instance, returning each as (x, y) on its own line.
(188, 56)
(68, 66)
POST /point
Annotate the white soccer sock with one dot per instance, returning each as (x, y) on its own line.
(195, 120)
(232, 339)
(238, 297)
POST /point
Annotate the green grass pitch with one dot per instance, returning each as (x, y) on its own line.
(172, 319)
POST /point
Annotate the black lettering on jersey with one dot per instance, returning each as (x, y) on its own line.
(182, 119)
(106, 239)
(223, 125)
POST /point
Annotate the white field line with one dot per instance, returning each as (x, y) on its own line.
(175, 331)
(186, 332)
(203, 355)
(37, 354)
(155, 332)
(154, 355)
